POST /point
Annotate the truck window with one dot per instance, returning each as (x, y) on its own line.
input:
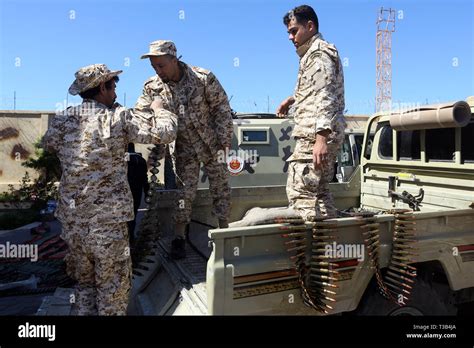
(386, 143)
(359, 139)
(408, 145)
(440, 144)
(467, 143)
(373, 128)
(345, 155)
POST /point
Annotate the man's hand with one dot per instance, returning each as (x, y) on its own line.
(320, 150)
(157, 104)
(283, 108)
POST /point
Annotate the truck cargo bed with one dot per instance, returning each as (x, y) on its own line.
(173, 287)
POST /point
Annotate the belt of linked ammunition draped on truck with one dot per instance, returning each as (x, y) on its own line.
(306, 244)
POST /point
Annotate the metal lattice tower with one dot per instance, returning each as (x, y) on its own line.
(385, 28)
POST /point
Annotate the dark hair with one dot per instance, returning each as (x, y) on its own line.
(303, 14)
(91, 93)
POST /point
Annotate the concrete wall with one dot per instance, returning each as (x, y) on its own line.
(19, 130)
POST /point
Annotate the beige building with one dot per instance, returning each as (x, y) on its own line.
(19, 130)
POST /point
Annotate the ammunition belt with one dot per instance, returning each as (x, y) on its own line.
(399, 278)
(149, 233)
(262, 289)
(316, 276)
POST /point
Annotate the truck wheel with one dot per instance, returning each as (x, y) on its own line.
(424, 300)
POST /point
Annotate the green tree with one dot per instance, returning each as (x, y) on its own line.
(45, 163)
(49, 169)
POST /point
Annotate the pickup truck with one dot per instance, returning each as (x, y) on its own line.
(403, 243)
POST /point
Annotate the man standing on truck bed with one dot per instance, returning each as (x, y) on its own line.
(204, 129)
(95, 202)
(319, 120)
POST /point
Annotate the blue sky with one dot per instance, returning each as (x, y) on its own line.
(42, 44)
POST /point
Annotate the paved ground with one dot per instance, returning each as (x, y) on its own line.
(27, 300)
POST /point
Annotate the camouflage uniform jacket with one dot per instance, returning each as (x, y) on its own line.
(91, 141)
(319, 95)
(202, 106)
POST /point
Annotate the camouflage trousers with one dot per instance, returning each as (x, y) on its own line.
(99, 260)
(308, 189)
(187, 170)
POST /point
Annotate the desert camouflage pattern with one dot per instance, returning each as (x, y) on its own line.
(94, 196)
(319, 105)
(161, 48)
(307, 189)
(204, 129)
(304, 146)
(91, 142)
(91, 76)
(319, 95)
(100, 262)
(187, 165)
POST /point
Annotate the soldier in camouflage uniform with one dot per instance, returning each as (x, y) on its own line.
(95, 201)
(319, 120)
(204, 130)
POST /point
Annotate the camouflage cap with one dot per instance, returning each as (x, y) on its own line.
(160, 48)
(91, 76)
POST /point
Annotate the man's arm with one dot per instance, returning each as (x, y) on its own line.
(144, 101)
(321, 70)
(143, 106)
(284, 107)
(51, 139)
(220, 110)
(159, 127)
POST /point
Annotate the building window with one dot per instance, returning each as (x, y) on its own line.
(408, 145)
(440, 144)
(386, 143)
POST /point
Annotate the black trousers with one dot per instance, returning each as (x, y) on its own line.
(137, 198)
